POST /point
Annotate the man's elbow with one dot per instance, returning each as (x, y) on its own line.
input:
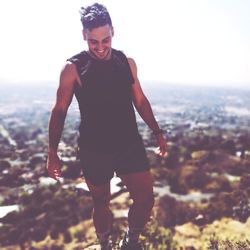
(141, 103)
(59, 111)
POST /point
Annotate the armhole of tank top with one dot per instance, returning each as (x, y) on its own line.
(124, 59)
(130, 73)
(78, 80)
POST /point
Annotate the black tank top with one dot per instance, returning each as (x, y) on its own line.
(108, 122)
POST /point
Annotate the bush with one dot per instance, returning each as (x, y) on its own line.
(49, 210)
(229, 244)
(174, 212)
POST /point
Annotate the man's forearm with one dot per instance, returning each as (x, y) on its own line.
(146, 113)
(56, 125)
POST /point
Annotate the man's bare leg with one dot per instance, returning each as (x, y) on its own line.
(102, 215)
(140, 187)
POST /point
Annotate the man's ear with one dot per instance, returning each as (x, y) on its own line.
(84, 35)
(112, 31)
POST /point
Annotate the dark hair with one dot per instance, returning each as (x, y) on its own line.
(94, 16)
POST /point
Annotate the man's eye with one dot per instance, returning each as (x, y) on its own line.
(106, 41)
(93, 42)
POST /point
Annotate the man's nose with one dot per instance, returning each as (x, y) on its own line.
(100, 46)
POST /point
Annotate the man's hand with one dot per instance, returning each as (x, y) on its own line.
(54, 166)
(162, 150)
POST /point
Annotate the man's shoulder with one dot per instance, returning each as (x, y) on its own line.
(119, 53)
(79, 58)
(120, 57)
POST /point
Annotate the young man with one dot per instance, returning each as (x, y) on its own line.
(106, 86)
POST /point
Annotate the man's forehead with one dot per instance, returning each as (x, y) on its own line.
(99, 32)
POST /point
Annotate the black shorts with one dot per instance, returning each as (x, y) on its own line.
(99, 168)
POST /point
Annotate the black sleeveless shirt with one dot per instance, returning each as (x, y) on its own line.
(108, 122)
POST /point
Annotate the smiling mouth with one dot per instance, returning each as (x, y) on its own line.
(101, 54)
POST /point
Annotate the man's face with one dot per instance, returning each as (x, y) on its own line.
(99, 41)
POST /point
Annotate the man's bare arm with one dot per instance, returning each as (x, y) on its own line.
(140, 101)
(143, 107)
(65, 93)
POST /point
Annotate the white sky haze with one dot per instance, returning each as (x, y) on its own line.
(172, 41)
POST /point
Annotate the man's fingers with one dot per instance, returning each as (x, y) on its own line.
(163, 153)
(54, 173)
(53, 176)
(162, 150)
(54, 167)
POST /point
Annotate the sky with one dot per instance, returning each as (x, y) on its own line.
(198, 42)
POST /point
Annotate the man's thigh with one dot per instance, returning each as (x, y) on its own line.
(100, 194)
(140, 184)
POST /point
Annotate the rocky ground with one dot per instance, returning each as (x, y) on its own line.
(202, 187)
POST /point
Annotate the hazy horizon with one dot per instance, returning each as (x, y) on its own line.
(145, 85)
